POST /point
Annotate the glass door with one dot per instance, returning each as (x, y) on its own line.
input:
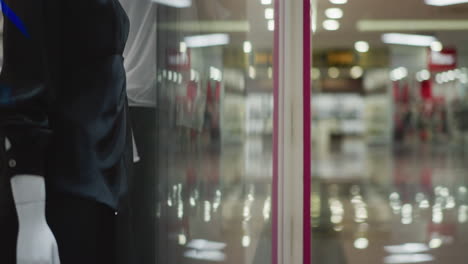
(214, 137)
(389, 180)
(219, 172)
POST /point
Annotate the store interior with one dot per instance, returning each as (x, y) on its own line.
(389, 131)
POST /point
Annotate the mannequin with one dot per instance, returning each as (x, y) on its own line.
(36, 243)
(64, 124)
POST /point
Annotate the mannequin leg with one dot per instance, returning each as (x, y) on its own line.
(84, 229)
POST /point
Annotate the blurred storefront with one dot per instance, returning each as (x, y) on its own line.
(389, 131)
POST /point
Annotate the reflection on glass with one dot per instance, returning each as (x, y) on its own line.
(214, 131)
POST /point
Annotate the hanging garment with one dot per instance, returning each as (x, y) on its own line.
(140, 52)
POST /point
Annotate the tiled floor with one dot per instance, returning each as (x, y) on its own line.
(370, 204)
(378, 205)
(218, 205)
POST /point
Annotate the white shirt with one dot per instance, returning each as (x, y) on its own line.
(140, 52)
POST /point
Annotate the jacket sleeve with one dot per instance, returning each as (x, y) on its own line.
(23, 93)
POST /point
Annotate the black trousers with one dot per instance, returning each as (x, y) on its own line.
(144, 184)
(84, 229)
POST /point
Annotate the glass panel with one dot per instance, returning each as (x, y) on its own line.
(389, 131)
(211, 187)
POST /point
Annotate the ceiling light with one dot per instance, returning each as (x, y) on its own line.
(437, 46)
(435, 243)
(266, 2)
(361, 46)
(361, 243)
(207, 40)
(175, 3)
(182, 47)
(423, 75)
(339, 2)
(445, 2)
(315, 74)
(271, 25)
(408, 39)
(407, 248)
(408, 258)
(356, 72)
(269, 13)
(247, 47)
(331, 24)
(412, 25)
(207, 26)
(334, 13)
(252, 72)
(334, 72)
(398, 74)
(207, 255)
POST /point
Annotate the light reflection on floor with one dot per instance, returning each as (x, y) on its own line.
(218, 205)
(377, 205)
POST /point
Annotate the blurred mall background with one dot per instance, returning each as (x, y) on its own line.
(389, 131)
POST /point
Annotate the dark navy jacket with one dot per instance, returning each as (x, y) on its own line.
(63, 102)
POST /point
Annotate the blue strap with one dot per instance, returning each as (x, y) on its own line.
(13, 18)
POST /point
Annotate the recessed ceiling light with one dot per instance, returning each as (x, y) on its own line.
(407, 258)
(437, 46)
(445, 2)
(207, 40)
(339, 2)
(269, 13)
(315, 73)
(361, 243)
(334, 13)
(331, 24)
(266, 2)
(412, 25)
(271, 25)
(408, 39)
(252, 72)
(333, 72)
(356, 72)
(247, 47)
(175, 3)
(362, 46)
(399, 74)
(182, 47)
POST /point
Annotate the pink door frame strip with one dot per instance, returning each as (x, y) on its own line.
(307, 132)
(307, 45)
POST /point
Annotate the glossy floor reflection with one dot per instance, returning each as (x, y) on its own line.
(218, 204)
(375, 204)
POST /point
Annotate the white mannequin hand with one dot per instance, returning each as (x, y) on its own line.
(36, 243)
